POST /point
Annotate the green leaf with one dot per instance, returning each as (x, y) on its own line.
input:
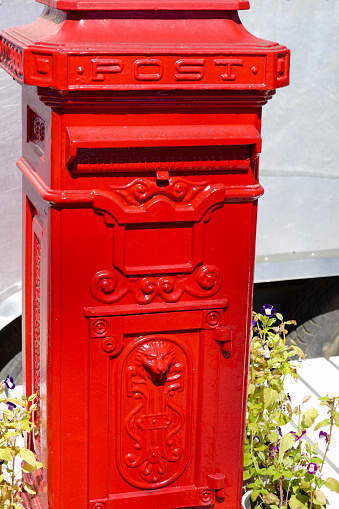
(254, 495)
(288, 461)
(270, 396)
(276, 476)
(248, 459)
(270, 498)
(5, 454)
(251, 389)
(27, 456)
(246, 475)
(286, 443)
(273, 437)
(262, 456)
(315, 447)
(320, 497)
(25, 425)
(294, 503)
(317, 504)
(310, 416)
(271, 470)
(11, 434)
(332, 484)
(281, 418)
(16, 401)
(325, 422)
(29, 488)
(252, 426)
(279, 316)
(30, 468)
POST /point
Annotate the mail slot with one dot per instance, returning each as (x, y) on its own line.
(141, 143)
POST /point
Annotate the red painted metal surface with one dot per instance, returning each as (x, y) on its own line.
(141, 136)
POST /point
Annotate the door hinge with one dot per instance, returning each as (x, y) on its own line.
(217, 482)
(223, 336)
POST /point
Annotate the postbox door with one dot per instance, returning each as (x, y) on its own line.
(155, 412)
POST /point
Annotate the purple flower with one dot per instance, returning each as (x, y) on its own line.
(274, 450)
(267, 350)
(301, 437)
(256, 439)
(324, 435)
(288, 397)
(11, 406)
(279, 431)
(312, 468)
(268, 310)
(9, 382)
(254, 323)
(2, 462)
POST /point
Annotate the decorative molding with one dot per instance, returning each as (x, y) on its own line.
(206, 496)
(36, 129)
(110, 287)
(12, 59)
(155, 411)
(108, 344)
(213, 319)
(100, 328)
(142, 190)
(97, 199)
(143, 201)
(36, 331)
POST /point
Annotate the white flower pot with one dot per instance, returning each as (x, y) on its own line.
(246, 500)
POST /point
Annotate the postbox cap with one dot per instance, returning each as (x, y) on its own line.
(142, 5)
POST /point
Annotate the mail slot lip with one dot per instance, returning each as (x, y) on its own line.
(160, 136)
(189, 158)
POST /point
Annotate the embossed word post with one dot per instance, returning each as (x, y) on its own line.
(141, 139)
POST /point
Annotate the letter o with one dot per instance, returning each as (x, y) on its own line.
(148, 62)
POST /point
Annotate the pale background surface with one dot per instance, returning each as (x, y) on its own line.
(298, 232)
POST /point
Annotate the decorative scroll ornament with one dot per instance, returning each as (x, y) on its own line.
(143, 190)
(37, 335)
(204, 282)
(156, 396)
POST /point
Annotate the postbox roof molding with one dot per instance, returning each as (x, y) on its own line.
(109, 52)
(142, 5)
(54, 31)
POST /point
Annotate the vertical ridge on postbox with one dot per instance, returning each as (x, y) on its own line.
(141, 143)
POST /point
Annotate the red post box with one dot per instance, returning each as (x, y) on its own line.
(141, 136)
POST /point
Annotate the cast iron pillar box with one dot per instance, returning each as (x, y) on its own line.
(141, 135)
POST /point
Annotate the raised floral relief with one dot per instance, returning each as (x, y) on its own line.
(143, 190)
(155, 402)
(110, 287)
